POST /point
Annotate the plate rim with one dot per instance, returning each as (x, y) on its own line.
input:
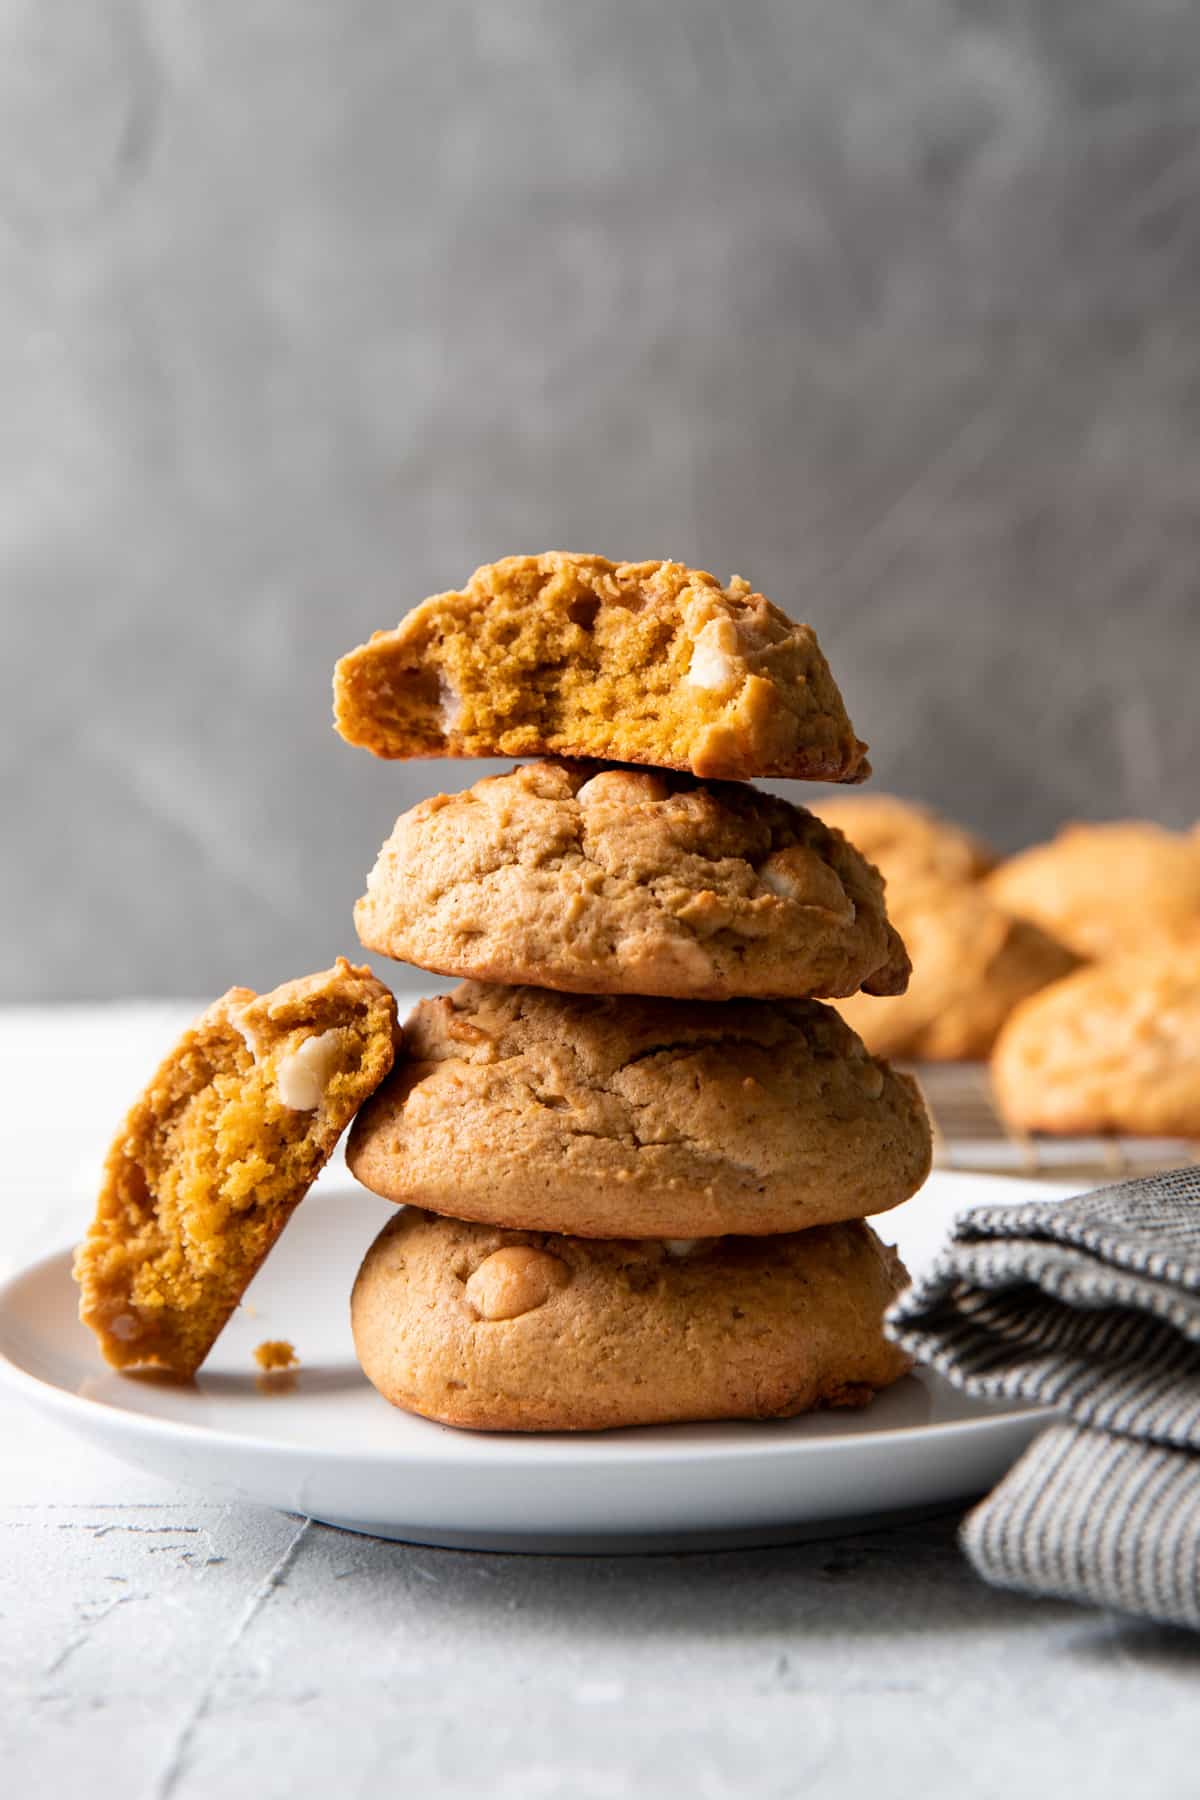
(606, 1446)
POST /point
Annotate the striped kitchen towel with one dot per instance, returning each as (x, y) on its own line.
(1090, 1306)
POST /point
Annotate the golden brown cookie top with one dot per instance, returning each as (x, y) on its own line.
(503, 1330)
(1114, 1047)
(593, 879)
(972, 962)
(227, 1137)
(572, 655)
(907, 841)
(1105, 888)
(634, 1117)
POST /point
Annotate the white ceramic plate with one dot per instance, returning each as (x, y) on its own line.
(330, 1447)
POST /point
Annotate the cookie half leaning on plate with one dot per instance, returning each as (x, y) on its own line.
(597, 880)
(516, 1331)
(639, 1118)
(569, 655)
(212, 1159)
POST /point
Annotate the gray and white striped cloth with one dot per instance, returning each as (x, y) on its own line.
(1090, 1306)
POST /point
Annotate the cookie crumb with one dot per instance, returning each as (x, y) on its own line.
(276, 1353)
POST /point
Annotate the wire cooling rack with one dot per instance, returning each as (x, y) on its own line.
(969, 1134)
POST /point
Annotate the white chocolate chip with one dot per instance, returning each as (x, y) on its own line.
(778, 881)
(589, 791)
(125, 1327)
(680, 1246)
(514, 1280)
(302, 1076)
(449, 706)
(623, 787)
(712, 664)
(799, 874)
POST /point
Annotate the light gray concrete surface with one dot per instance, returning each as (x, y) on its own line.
(186, 1650)
(307, 309)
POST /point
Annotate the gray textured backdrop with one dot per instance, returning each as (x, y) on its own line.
(305, 309)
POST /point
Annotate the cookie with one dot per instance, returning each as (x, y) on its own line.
(628, 662)
(519, 1331)
(639, 1118)
(907, 842)
(972, 962)
(1106, 888)
(1115, 1047)
(597, 880)
(215, 1155)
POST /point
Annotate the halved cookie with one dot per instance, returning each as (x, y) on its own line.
(1115, 1047)
(639, 1118)
(516, 1331)
(215, 1155)
(625, 881)
(630, 662)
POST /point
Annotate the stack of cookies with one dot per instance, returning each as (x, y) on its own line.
(635, 1150)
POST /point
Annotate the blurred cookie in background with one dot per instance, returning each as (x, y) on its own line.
(907, 841)
(972, 963)
(1104, 889)
(1115, 1047)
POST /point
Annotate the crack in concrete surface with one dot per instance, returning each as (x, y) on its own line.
(175, 1764)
